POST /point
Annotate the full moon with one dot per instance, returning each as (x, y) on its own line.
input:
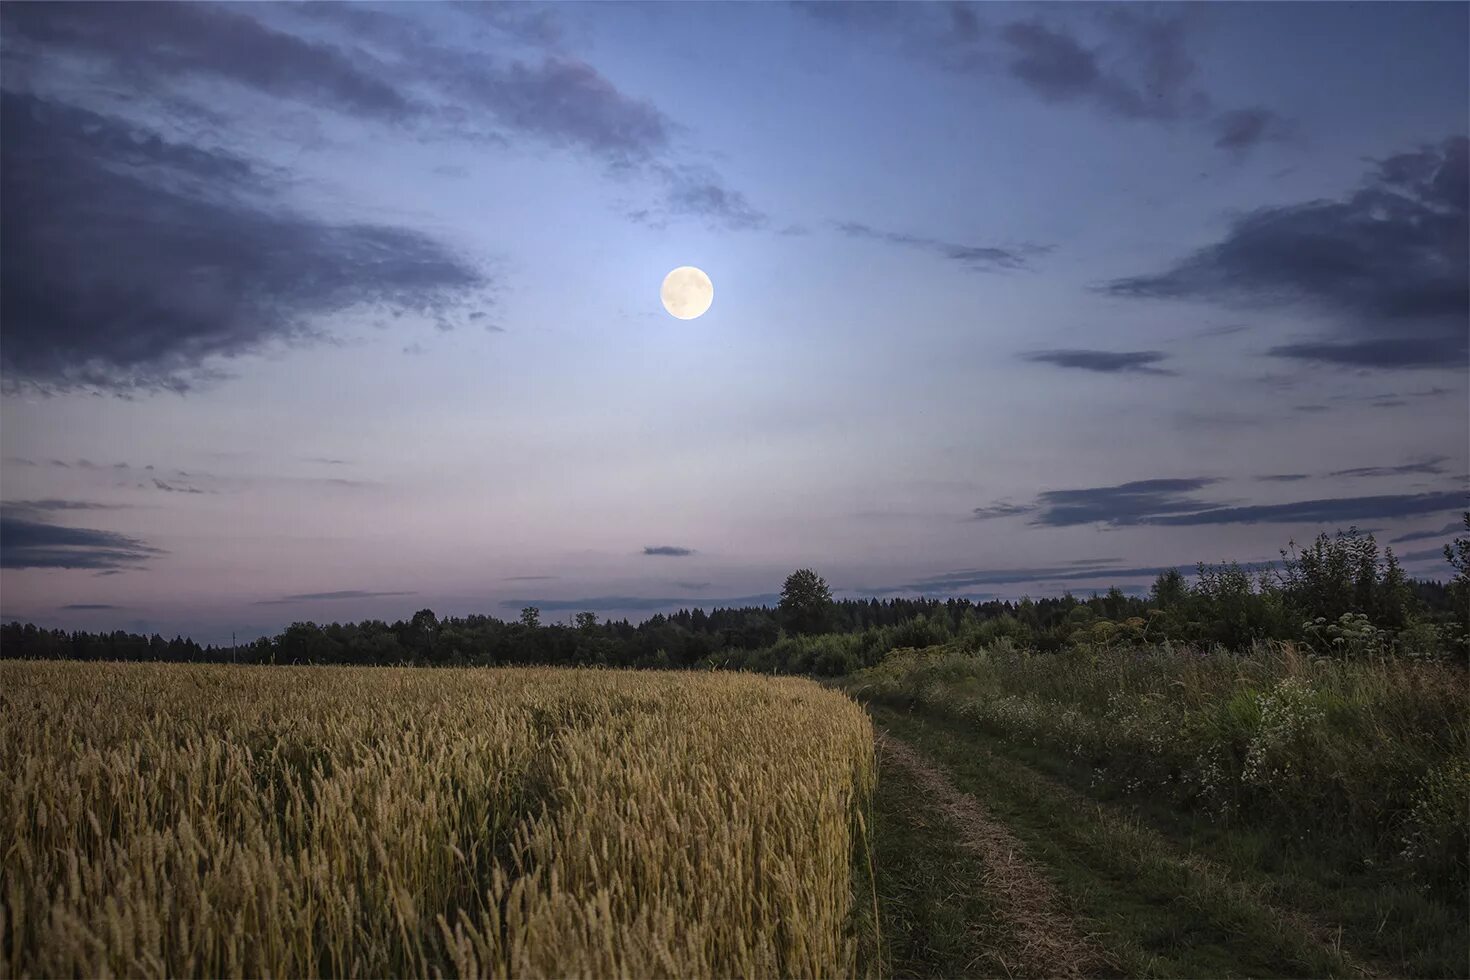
(687, 292)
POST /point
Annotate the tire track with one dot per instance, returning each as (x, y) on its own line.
(1044, 940)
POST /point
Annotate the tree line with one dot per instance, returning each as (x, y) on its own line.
(1340, 596)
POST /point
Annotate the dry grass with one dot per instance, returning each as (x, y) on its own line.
(202, 820)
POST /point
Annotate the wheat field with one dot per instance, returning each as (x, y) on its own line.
(172, 820)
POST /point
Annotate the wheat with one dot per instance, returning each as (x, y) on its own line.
(171, 820)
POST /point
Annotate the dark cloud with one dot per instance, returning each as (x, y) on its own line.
(1152, 76)
(326, 460)
(155, 44)
(1126, 61)
(90, 605)
(213, 269)
(1333, 510)
(1283, 477)
(175, 487)
(1446, 532)
(1054, 64)
(53, 504)
(1430, 465)
(28, 543)
(668, 551)
(21, 461)
(1127, 503)
(530, 578)
(1389, 266)
(1102, 361)
(1173, 503)
(344, 594)
(640, 603)
(1011, 576)
(1241, 129)
(1427, 554)
(982, 258)
(1001, 508)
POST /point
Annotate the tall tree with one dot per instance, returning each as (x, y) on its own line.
(806, 602)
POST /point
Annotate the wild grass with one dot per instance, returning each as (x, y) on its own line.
(1340, 786)
(207, 820)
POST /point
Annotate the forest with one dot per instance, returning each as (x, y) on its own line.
(1340, 595)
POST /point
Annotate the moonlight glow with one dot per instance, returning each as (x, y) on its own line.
(687, 292)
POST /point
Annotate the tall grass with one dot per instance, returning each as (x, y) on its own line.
(202, 820)
(1366, 757)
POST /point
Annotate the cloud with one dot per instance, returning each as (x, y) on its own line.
(344, 594)
(980, 258)
(1001, 508)
(1010, 576)
(175, 487)
(1126, 503)
(668, 551)
(1323, 511)
(640, 603)
(1388, 267)
(51, 503)
(1283, 477)
(1173, 503)
(561, 100)
(21, 461)
(326, 460)
(694, 586)
(90, 605)
(700, 193)
(28, 543)
(1153, 79)
(1446, 532)
(1129, 62)
(530, 578)
(1430, 465)
(214, 268)
(155, 44)
(1427, 554)
(1104, 362)
(1240, 129)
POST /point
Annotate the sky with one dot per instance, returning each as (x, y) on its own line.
(331, 312)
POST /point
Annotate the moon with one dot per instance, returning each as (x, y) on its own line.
(687, 292)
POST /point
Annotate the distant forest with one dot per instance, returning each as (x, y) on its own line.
(1340, 596)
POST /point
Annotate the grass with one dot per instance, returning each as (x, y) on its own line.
(1102, 769)
(208, 820)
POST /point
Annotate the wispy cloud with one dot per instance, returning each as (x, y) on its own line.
(1101, 361)
(668, 551)
(1444, 533)
(1429, 465)
(320, 596)
(981, 258)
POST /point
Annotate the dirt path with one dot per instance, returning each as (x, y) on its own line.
(1043, 940)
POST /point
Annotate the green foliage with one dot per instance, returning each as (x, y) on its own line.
(530, 617)
(1348, 750)
(1344, 574)
(1458, 555)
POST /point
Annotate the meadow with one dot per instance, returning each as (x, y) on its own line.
(202, 820)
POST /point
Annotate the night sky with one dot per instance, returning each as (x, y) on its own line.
(338, 312)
